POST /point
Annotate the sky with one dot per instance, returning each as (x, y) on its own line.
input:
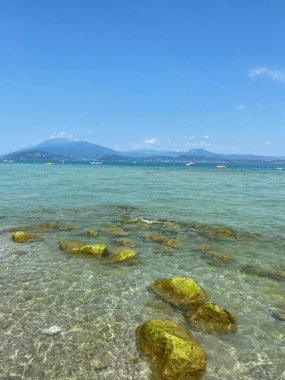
(151, 74)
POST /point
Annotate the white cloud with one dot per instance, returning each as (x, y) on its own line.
(241, 107)
(89, 133)
(65, 135)
(206, 137)
(277, 75)
(151, 141)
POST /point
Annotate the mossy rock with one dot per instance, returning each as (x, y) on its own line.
(210, 317)
(122, 257)
(216, 232)
(172, 350)
(91, 249)
(170, 243)
(91, 233)
(205, 247)
(157, 238)
(218, 258)
(117, 231)
(182, 292)
(69, 245)
(22, 237)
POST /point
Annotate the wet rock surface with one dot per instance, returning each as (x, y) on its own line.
(172, 350)
(210, 317)
(182, 292)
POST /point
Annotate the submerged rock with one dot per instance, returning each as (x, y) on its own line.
(279, 274)
(22, 237)
(172, 350)
(52, 330)
(182, 292)
(122, 257)
(69, 245)
(211, 317)
(279, 314)
(125, 242)
(65, 227)
(91, 233)
(218, 258)
(91, 249)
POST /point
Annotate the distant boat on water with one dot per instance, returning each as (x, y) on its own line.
(220, 166)
(95, 162)
(279, 168)
(189, 163)
(49, 163)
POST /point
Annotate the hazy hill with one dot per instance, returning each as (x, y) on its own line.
(61, 148)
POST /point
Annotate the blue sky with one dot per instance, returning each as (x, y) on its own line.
(152, 74)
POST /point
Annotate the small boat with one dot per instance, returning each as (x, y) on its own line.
(220, 166)
(189, 163)
(49, 163)
(95, 162)
(279, 168)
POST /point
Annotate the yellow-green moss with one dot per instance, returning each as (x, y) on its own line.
(21, 237)
(211, 317)
(92, 249)
(174, 353)
(182, 292)
(124, 256)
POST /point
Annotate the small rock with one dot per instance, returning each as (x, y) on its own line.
(52, 330)
(99, 363)
(279, 314)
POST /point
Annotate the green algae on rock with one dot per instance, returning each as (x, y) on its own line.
(69, 245)
(173, 352)
(22, 237)
(210, 317)
(91, 249)
(182, 292)
(122, 257)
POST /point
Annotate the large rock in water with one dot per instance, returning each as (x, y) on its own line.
(211, 317)
(182, 292)
(22, 237)
(173, 352)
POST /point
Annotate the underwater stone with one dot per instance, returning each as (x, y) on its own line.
(21, 237)
(211, 317)
(92, 249)
(92, 233)
(125, 241)
(53, 330)
(172, 350)
(122, 257)
(183, 292)
(65, 227)
(280, 273)
(279, 314)
(69, 245)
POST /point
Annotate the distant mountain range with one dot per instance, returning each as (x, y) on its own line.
(63, 149)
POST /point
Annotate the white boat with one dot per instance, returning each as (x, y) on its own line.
(95, 162)
(278, 168)
(189, 163)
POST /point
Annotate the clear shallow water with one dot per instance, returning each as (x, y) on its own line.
(99, 306)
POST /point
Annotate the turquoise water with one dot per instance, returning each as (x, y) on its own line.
(99, 306)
